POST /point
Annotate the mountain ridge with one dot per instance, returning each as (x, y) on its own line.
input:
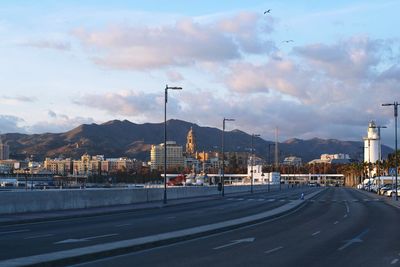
(116, 138)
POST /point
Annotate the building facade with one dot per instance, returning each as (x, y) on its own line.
(4, 151)
(174, 156)
(191, 143)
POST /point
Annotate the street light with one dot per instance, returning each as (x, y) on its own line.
(252, 159)
(379, 150)
(395, 106)
(223, 160)
(165, 138)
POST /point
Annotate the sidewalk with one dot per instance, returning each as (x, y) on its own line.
(389, 200)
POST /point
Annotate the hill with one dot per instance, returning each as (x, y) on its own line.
(123, 138)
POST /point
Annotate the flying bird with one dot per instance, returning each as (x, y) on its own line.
(287, 41)
(267, 11)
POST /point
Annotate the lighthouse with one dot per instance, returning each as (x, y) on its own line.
(372, 145)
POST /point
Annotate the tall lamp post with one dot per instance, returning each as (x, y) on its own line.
(252, 160)
(223, 157)
(395, 106)
(379, 152)
(165, 137)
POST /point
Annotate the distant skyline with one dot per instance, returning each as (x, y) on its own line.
(65, 63)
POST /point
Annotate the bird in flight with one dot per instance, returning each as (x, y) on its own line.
(267, 11)
(287, 41)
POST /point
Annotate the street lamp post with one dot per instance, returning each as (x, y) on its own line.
(223, 158)
(252, 160)
(395, 105)
(379, 153)
(165, 138)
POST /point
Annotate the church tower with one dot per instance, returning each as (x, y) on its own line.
(190, 143)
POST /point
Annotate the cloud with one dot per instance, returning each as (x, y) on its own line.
(58, 123)
(174, 76)
(15, 99)
(186, 42)
(10, 124)
(139, 105)
(47, 44)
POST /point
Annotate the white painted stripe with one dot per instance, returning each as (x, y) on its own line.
(271, 200)
(38, 236)
(273, 250)
(316, 233)
(122, 225)
(240, 199)
(15, 231)
(282, 200)
(394, 261)
(347, 207)
(336, 222)
(345, 216)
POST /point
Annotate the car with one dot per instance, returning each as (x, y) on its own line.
(383, 189)
(392, 192)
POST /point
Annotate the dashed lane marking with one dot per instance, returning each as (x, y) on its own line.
(38, 236)
(15, 231)
(122, 225)
(394, 261)
(316, 233)
(273, 250)
(336, 222)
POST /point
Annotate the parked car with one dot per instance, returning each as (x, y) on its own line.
(383, 189)
(392, 192)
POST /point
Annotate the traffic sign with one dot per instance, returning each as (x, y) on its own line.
(392, 171)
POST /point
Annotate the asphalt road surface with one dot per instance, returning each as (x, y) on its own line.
(340, 227)
(39, 238)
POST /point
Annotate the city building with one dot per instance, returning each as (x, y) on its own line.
(4, 151)
(190, 143)
(58, 166)
(340, 158)
(292, 161)
(174, 156)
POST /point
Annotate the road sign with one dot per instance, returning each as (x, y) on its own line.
(392, 171)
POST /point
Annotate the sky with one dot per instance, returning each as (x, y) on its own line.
(309, 68)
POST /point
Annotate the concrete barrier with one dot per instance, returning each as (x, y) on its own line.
(48, 200)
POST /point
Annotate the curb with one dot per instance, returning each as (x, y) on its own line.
(78, 255)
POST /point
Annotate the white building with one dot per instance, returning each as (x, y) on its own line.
(372, 144)
(174, 156)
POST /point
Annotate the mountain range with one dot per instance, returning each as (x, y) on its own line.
(123, 138)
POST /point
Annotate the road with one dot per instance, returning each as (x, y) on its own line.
(341, 227)
(59, 235)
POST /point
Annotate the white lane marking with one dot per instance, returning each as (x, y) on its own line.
(394, 261)
(73, 240)
(336, 222)
(282, 200)
(248, 240)
(38, 236)
(399, 254)
(15, 231)
(271, 200)
(347, 207)
(356, 239)
(366, 199)
(240, 199)
(273, 250)
(316, 233)
(122, 225)
(345, 216)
